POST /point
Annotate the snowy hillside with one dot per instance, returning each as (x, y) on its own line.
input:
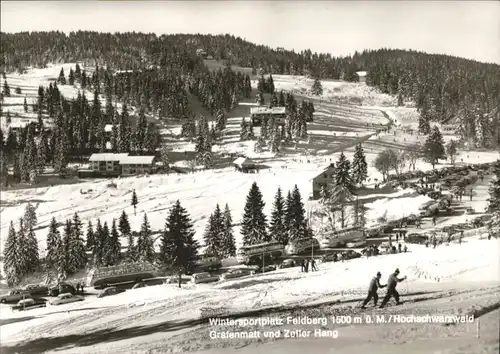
(473, 264)
(338, 91)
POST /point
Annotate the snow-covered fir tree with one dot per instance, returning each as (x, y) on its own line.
(29, 217)
(277, 228)
(165, 159)
(113, 247)
(228, 241)
(12, 256)
(90, 238)
(63, 264)
(24, 248)
(77, 256)
(221, 121)
(126, 232)
(343, 176)
(451, 151)
(274, 142)
(179, 249)
(244, 130)
(144, 250)
(206, 159)
(62, 78)
(214, 232)
(99, 240)
(434, 147)
(53, 245)
(253, 224)
(359, 166)
(32, 255)
(134, 201)
(295, 214)
(317, 88)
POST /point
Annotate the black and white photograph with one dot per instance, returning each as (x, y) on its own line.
(219, 177)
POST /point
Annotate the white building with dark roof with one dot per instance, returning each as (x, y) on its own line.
(137, 165)
(106, 163)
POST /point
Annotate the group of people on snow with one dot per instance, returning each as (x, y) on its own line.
(392, 282)
(305, 265)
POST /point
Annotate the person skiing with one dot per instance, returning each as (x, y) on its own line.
(303, 265)
(391, 288)
(313, 265)
(399, 248)
(372, 290)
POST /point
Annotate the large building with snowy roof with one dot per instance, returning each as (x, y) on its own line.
(111, 164)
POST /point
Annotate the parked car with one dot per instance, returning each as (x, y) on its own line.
(67, 298)
(36, 289)
(350, 254)
(420, 239)
(235, 273)
(28, 304)
(112, 290)
(139, 285)
(14, 296)
(268, 268)
(287, 263)
(374, 232)
(470, 211)
(61, 288)
(408, 220)
(204, 277)
(329, 258)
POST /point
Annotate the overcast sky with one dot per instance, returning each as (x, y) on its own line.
(468, 29)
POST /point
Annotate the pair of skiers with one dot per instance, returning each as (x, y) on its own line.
(391, 289)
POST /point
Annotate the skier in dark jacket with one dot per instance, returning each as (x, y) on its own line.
(391, 288)
(372, 290)
(303, 265)
(313, 265)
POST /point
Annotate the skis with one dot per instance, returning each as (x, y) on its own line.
(376, 307)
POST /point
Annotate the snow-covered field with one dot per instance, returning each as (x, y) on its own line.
(29, 82)
(140, 320)
(339, 91)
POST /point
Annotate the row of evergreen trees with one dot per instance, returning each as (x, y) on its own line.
(288, 220)
(219, 237)
(21, 256)
(67, 253)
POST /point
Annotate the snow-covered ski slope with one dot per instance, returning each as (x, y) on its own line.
(143, 316)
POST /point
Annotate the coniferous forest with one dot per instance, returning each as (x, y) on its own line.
(445, 89)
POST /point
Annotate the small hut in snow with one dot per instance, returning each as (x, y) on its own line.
(244, 164)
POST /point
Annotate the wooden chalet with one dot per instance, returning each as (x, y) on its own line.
(244, 164)
(324, 179)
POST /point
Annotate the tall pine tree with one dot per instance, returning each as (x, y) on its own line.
(179, 249)
(12, 257)
(53, 245)
(134, 201)
(254, 224)
(228, 241)
(296, 215)
(214, 233)
(145, 251)
(277, 228)
(359, 166)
